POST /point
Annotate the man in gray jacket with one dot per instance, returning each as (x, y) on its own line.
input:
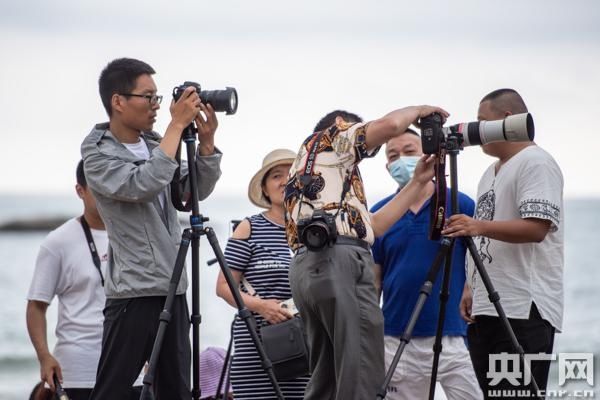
(129, 168)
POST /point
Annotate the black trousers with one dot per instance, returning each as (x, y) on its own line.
(334, 291)
(130, 326)
(488, 336)
(84, 394)
(78, 393)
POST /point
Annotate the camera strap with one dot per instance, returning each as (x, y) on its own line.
(438, 200)
(306, 177)
(180, 200)
(92, 246)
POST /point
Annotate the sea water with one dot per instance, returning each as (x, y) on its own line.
(19, 369)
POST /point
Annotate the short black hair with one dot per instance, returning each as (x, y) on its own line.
(412, 132)
(80, 175)
(329, 119)
(503, 100)
(119, 76)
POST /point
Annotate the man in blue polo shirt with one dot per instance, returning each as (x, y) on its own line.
(403, 256)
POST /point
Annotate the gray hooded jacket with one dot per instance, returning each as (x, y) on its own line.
(144, 238)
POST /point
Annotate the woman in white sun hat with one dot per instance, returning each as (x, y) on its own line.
(258, 251)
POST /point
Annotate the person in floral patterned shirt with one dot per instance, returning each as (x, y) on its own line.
(333, 287)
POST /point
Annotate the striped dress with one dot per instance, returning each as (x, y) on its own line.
(264, 258)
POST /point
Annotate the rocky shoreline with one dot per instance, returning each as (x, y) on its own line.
(33, 224)
(46, 224)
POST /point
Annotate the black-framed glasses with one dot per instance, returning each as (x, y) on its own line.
(153, 99)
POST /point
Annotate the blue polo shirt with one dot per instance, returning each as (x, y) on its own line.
(405, 254)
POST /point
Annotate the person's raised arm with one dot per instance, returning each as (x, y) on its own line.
(396, 122)
(387, 215)
(520, 230)
(207, 124)
(36, 326)
(183, 112)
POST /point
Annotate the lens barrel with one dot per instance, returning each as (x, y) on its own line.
(221, 100)
(315, 236)
(514, 128)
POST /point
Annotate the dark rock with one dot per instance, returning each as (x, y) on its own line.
(37, 224)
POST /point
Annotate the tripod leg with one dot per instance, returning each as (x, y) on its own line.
(423, 295)
(444, 295)
(495, 299)
(165, 315)
(243, 312)
(195, 318)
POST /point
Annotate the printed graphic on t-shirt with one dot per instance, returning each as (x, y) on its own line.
(541, 209)
(485, 212)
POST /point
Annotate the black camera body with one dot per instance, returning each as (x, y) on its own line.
(432, 135)
(317, 231)
(220, 100)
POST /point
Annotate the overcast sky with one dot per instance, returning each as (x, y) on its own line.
(292, 62)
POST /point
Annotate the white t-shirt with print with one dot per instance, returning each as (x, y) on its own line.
(528, 185)
(64, 268)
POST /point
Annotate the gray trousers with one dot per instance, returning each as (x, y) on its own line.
(334, 291)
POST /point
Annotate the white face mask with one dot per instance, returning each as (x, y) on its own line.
(403, 169)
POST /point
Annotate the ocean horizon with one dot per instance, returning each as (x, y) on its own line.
(19, 369)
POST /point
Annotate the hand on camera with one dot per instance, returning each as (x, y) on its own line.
(428, 110)
(424, 171)
(207, 123)
(462, 225)
(272, 311)
(48, 368)
(185, 110)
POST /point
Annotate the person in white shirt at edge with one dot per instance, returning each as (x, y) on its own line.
(65, 268)
(518, 230)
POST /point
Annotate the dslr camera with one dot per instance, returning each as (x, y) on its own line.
(514, 128)
(317, 231)
(221, 100)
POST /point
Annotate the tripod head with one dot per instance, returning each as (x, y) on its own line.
(189, 133)
(435, 141)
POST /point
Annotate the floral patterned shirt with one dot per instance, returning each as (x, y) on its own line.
(340, 150)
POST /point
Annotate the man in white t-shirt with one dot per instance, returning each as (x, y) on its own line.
(66, 268)
(518, 230)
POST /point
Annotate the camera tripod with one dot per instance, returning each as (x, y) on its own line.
(444, 255)
(192, 236)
